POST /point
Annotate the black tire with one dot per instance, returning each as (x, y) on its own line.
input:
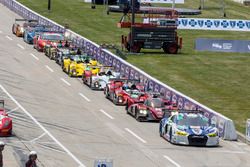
(126, 107)
(170, 48)
(170, 135)
(10, 132)
(160, 127)
(106, 92)
(136, 115)
(114, 99)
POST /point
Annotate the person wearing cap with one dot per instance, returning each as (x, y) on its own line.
(32, 159)
(2, 144)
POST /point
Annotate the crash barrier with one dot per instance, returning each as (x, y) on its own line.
(220, 45)
(225, 125)
(213, 24)
(248, 130)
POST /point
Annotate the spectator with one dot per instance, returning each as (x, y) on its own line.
(66, 44)
(2, 144)
(78, 52)
(32, 159)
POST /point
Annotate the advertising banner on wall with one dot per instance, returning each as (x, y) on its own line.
(163, 1)
(213, 24)
(219, 45)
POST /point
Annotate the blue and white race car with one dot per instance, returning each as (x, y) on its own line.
(31, 32)
(189, 128)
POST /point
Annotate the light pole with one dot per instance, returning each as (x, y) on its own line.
(49, 4)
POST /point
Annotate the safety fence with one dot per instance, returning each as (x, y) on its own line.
(225, 125)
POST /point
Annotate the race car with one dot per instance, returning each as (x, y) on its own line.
(189, 128)
(75, 65)
(50, 50)
(48, 38)
(98, 80)
(30, 32)
(5, 121)
(62, 53)
(136, 96)
(117, 90)
(18, 29)
(152, 109)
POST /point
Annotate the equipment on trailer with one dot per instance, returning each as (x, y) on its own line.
(157, 29)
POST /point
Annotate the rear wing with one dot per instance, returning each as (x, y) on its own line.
(2, 104)
(27, 20)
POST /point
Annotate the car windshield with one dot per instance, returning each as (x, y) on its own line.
(192, 120)
(50, 36)
(80, 58)
(157, 103)
(135, 94)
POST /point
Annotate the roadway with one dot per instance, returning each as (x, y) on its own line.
(68, 124)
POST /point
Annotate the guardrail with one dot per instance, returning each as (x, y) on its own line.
(225, 125)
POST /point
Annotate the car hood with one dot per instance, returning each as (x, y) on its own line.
(197, 130)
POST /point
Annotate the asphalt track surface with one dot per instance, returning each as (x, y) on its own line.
(70, 125)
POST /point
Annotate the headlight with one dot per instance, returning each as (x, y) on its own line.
(213, 134)
(21, 29)
(44, 43)
(181, 133)
(96, 84)
(143, 112)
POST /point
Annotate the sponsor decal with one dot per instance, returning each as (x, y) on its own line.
(127, 70)
(168, 95)
(232, 23)
(156, 88)
(180, 103)
(122, 68)
(132, 73)
(184, 22)
(216, 45)
(174, 98)
(137, 76)
(162, 91)
(227, 46)
(216, 23)
(201, 23)
(151, 85)
(248, 24)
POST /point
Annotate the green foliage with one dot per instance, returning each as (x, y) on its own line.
(218, 80)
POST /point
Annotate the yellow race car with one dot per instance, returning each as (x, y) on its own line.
(75, 65)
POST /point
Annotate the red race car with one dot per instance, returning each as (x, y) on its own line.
(153, 109)
(53, 39)
(5, 121)
(118, 90)
(136, 96)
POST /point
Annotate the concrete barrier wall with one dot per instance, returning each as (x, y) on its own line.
(225, 125)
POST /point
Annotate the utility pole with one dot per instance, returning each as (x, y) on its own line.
(49, 4)
(132, 24)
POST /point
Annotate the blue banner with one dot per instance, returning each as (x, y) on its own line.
(220, 45)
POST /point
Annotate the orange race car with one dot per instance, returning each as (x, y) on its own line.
(18, 29)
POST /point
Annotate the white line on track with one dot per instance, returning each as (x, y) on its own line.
(50, 69)
(135, 135)
(66, 82)
(12, 110)
(1, 32)
(87, 99)
(106, 114)
(43, 128)
(9, 38)
(34, 56)
(20, 46)
(37, 138)
(172, 161)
